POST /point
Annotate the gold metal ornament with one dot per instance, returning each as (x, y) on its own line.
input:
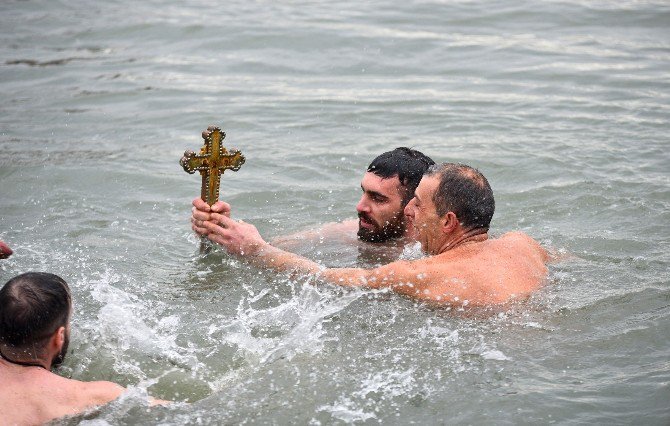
(212, 161)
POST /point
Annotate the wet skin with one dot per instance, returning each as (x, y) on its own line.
(380, 210)
(464, 266)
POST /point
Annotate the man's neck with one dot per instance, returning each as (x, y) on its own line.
(471, 236)
(22, 363)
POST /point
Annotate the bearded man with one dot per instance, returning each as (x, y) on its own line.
(450, 213)
(388, 185)
(35, 311)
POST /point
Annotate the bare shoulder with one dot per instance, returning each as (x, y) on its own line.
(100, 392)
(47, 396)
(517, 237)
(521, 240)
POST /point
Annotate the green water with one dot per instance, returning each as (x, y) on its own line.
(564, 106)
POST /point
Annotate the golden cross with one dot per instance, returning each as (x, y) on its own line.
(212, 161)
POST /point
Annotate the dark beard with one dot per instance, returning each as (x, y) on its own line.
(378, 234)
(60, 357)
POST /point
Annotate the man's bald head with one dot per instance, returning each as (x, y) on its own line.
(464, 191)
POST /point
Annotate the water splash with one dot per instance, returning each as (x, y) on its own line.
(128, 327)
(292, 327)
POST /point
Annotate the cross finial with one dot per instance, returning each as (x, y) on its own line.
(212, 161)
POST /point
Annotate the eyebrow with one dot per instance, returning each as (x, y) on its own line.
(374, 193)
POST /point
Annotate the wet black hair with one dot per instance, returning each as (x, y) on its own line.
(32, 307)
(406, 163)
(464, 191)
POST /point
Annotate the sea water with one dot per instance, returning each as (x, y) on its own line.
(563, 105)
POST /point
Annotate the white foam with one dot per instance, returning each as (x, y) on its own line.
(391, 383)
(494, 354)
(346, 411)
(412, 252)
(125, 323)
(298, 323)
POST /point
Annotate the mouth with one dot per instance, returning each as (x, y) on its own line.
(365, 222)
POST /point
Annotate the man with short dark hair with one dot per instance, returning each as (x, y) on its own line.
(35, 310)
(388, 185)
(450, 213)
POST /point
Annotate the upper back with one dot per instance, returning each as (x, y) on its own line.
(496, 270)
(480, 273)
(31, 395)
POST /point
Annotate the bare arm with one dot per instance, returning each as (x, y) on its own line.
(101, 392)
(244, 240)
(201, 212)
(442, 279)
(344, 231)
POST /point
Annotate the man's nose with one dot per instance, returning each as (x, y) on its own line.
(362, 205)
(409, 211)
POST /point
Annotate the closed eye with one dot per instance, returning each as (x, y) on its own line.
(378, 198)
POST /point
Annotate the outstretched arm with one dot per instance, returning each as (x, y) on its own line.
(201, 212)
(243, 239)
(342, 231)
(103, 392)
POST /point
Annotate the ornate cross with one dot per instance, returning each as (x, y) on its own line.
(212, 161)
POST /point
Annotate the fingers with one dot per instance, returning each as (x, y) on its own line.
(221, 225)
(215, 232)
(203, 212)
(199, 215)
(223, 231)
(199, 204)
(237, 237)
(221, 207)
(198, 226)
(222, 219)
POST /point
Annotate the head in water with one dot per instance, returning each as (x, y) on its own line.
(35, 310)
(450, 198)
(388, 185)
(464, 191)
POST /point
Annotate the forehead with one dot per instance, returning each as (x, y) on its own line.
(427, 188)
(387, 186)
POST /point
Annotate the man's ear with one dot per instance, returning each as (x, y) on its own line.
(449, 222)
(57, 339)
